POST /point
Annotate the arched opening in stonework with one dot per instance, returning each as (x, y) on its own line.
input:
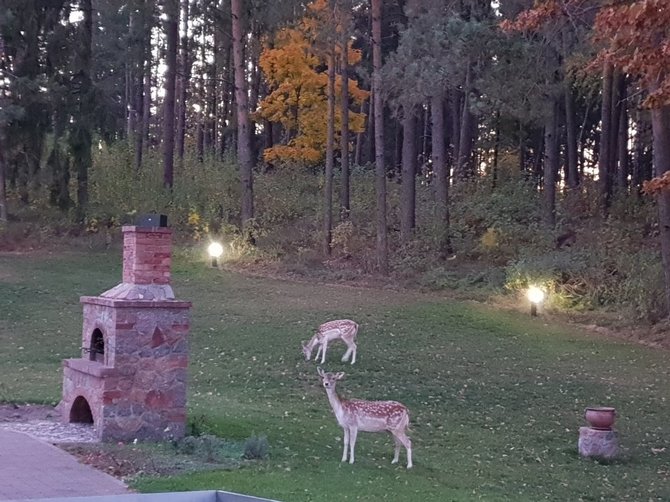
(97, 349)
(81, 411)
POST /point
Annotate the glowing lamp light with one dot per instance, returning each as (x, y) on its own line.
(215, 251)
(536, 296)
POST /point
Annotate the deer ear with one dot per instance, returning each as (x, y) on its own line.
(302, 344)
(339, 375)
(320, 371)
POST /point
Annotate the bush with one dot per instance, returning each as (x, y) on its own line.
(591, 278)
(208, 448)
(256, 448)
(498, 223)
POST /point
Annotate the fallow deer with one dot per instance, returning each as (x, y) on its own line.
(342, 329)
(355, 415)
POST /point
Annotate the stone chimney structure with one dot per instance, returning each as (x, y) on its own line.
(131, 379)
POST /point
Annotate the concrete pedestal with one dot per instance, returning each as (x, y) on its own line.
(598, 443)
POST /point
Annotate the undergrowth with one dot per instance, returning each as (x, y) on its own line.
(499, 240)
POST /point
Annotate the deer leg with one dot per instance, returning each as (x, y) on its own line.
(318, 352)
(346, 444)
(351, 350)
(407, 443)
(352, 443)
(396, 454)
(324, 346)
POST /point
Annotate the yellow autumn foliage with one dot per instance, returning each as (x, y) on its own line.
(295, 71)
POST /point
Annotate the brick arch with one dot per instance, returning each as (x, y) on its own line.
(97, 346)
(80, 411)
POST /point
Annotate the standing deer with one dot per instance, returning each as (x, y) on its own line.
(343, 329)
(368, 416)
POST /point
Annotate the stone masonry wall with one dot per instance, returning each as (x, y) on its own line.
(138, 389)
(145, 396)
(146, 255)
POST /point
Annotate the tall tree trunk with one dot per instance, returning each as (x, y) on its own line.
(210, 108)
(3, 168)
(228, 91)
(3, 162)
(441, 174)
(641, 149)
(551, 158)
(132, 77)
(360, 137)
(538, 157)
(138, 133)
(380, 169)
(397, 151)
(496, 150)
(58, 161)
(344, 130)
(618, 84)
(660, 123)
(172, 32)
(408, 188)
(184, 77)
(146, 108)
(604, 158)
(571, 138)
(202, 101)
(143, 86)
(80, 135)
(464, 166)
(622, 145)
(243, 124)
(224, 87)
(3, 183)
(330, 158)
(455, 100)
(255, 91)
(425, 133)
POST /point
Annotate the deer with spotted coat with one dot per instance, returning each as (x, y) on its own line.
(355, 415)
(342, 329)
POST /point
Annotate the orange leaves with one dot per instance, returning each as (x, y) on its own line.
(298, 89)
(657, 185)
(533, 19)
(292, 58)
(636, 37)
(292, 154)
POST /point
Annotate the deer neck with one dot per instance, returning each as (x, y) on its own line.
(313, 342)
(336, 403)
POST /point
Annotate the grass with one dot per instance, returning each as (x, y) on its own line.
(496, 398)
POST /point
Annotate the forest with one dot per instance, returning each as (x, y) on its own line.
(444, 144)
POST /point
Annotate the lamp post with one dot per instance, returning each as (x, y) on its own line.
(215, 250)
(536, 296)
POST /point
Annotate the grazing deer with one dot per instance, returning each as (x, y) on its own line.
(355, 415)
(343, 329)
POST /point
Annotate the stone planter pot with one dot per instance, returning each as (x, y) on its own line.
(600, 418)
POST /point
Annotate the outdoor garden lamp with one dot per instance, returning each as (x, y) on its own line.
(536, 296)
(215, 250)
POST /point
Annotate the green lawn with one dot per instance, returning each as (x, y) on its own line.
(496, 397)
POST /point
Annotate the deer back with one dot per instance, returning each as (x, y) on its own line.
(374, 416)
(342, 328)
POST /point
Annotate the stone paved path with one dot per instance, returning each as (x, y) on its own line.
(33, 468)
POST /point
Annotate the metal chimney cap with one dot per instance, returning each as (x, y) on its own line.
(151, 220)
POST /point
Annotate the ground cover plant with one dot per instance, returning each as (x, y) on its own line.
(496, 397)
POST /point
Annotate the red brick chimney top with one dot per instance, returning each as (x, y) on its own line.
(147, 255)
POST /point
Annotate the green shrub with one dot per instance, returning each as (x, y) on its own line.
(256, 448)
(208, 448)
(589, 278)
(510, 216)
